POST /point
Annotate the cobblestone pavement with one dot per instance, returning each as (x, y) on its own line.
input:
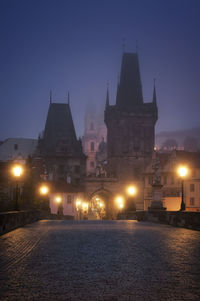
(100, 260)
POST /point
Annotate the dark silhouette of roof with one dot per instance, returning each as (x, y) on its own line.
(59, 133)
(129, 92)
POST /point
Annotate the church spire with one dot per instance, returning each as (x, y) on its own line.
(154, 92)
(107, 95)
(50, 98)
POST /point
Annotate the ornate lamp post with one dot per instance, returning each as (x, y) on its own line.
(17, 171)
(131, 191)
(79, 208)
(44, 190)
(120, 202)
(182, 171)
(60, 206)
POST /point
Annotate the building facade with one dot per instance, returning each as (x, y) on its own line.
(171, 181)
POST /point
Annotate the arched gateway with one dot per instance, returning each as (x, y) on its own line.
(101, 204)
(101, 193)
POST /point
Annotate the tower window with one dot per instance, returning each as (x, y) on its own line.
(92, 164)
(61, 169)
(92, 146)
(69, 199)
(91, 126)
(150, 180)
(77, 168)
(15, 146)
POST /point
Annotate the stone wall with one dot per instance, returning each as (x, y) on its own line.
(14, 219)
(190, 220)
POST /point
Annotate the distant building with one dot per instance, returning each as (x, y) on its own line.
(188, 140)
(17, 149)
(171, 181)
(95, 134)
(13, 150)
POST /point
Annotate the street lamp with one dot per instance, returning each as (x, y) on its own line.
(131, 190)
(85, 209)
(182, 171)
(17, 171)
(44, 190)
(58, 200)
(78, 208)
(120, 202)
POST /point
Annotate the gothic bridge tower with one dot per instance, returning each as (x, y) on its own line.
(59, 146)
(130, 124)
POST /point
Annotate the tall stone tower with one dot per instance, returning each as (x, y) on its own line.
(59, 147)
(130, 124)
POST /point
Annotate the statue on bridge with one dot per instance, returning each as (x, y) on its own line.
(157, 198)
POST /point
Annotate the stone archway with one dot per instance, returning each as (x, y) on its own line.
(101, 204)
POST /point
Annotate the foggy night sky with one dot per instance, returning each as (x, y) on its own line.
(76, 45)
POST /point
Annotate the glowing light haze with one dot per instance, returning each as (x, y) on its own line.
(77, 46)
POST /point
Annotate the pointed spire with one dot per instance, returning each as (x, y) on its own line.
(68, 98)
(50, 99)
(129, 94)
(154, 92)
(107, 95)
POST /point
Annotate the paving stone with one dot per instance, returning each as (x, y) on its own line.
(100, 261)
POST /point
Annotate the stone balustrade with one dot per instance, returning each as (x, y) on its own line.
(14, 219)
(190, 220)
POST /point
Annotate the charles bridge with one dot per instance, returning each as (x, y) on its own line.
(100, 260)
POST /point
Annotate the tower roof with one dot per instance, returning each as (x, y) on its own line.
(59, 133)
(130, 88)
